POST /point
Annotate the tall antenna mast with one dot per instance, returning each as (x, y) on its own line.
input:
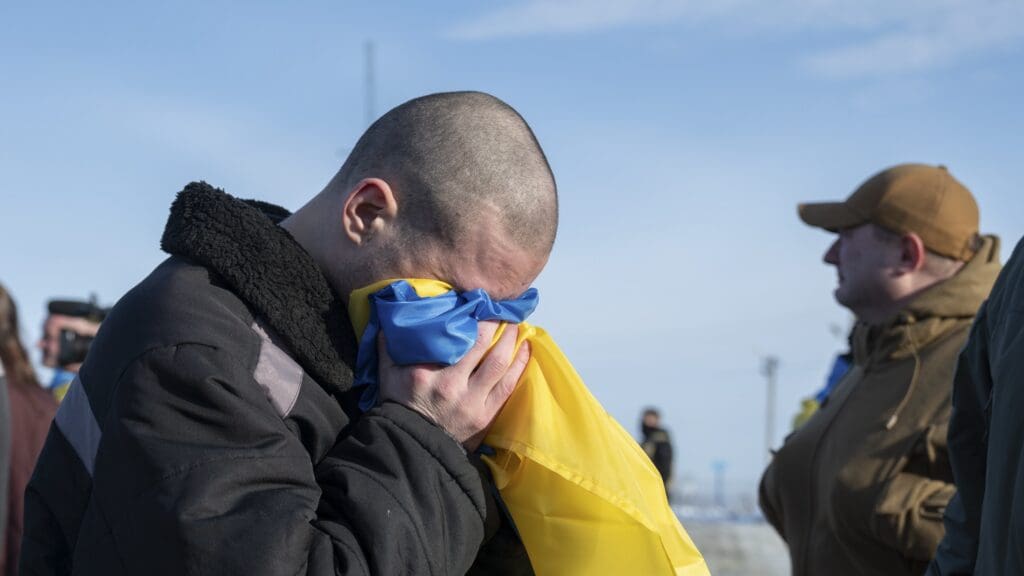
(770, 370)
(370, 95)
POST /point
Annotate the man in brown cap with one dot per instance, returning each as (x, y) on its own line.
(861, 487)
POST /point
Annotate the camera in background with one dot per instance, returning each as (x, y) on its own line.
(68, 333)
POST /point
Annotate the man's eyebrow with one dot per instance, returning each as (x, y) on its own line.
(462, 290)
(455, 284)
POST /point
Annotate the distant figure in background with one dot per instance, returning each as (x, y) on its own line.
(985, 519)
(31, 410)
(860, 488)
(657, 444)
(840, 366)
(68, 332)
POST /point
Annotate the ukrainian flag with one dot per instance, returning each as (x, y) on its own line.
(585, 497)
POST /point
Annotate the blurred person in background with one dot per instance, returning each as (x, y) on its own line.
(985, 519)
(31, 410)
(808, 406)
(860, 488)
(68, 332)
(657, 444)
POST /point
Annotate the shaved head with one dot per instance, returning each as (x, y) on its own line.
(450, 186)
(457, 160)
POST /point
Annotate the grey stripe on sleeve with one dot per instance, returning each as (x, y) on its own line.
(78, 425)
(277, 373)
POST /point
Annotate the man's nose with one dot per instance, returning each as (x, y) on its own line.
(832, 254)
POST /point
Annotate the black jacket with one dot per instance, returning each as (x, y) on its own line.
(658, 446)
(212, 429)
(985, 519)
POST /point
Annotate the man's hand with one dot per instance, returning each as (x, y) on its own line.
(463, 399)
(80, 326)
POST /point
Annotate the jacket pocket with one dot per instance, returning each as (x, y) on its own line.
(929, 456)
(908, 514)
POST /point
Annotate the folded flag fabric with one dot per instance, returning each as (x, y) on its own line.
(584, 496)
(437, 329)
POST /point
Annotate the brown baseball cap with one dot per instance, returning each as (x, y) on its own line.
(926, 200)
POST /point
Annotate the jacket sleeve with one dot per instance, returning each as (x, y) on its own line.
(204, 477)
(968, 432)
(663, 457)
(766, 497)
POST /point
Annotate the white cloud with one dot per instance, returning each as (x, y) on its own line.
(230, 143)
(928, 41)
(887, 36)
(537, 17)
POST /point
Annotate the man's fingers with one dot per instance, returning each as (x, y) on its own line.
(383, 358)
(501, 392)
(484, 335)
(494, 366)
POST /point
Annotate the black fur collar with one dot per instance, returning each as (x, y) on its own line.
(240, 241)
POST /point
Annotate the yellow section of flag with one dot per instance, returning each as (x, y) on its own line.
(585, 497)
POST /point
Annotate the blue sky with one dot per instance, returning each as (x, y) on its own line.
(682, 134)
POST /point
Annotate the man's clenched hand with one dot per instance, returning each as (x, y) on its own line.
(463, 399)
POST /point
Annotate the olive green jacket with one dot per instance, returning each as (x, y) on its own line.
(862, 486)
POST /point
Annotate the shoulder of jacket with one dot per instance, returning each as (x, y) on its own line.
(659, 436)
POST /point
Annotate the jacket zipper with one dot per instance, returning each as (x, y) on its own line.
(813, 481)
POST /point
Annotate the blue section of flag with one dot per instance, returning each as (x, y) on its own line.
(435, 330)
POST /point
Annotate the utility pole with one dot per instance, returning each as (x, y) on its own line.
(769, 369)
(718, 469)
(370, 94)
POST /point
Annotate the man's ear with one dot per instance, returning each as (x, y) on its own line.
(912, 252)
(369, 208)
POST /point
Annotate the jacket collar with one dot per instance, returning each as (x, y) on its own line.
(261, 262)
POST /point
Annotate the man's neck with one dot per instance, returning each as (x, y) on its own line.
(882, 315)
(307, 227)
